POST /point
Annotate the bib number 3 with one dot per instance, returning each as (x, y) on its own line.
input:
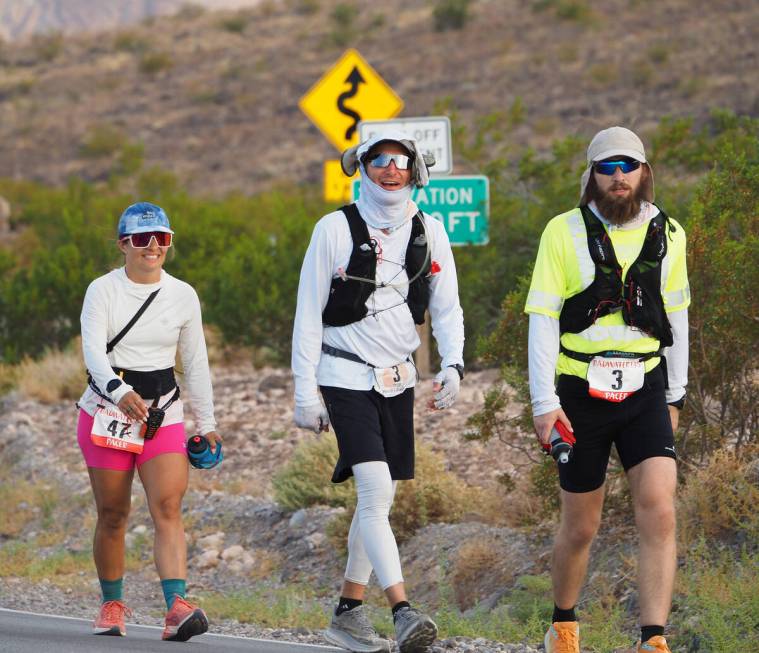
(391, 381)
(111, 428)
(614, 379)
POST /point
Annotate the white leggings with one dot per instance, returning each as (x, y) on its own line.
(371, 543)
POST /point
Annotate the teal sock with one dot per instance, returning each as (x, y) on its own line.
(113, 590)
(173, 587)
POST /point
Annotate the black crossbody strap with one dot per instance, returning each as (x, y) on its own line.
(109, 346)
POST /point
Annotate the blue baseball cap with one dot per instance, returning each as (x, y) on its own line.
(141, 217)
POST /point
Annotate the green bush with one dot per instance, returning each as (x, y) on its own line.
(450, 14)
(152, 63)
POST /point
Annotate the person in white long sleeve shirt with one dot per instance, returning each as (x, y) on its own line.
(370, 272)
(131, 379)
(608, 362)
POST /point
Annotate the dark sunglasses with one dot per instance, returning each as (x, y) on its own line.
(609, 167)
(142, 240)
(402, 162)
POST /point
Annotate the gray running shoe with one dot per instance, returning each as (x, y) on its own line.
(353, 631)
(414, 630)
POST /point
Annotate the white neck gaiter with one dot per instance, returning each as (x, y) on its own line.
(380, 208)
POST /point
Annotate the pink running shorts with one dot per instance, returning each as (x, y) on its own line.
(168, 439)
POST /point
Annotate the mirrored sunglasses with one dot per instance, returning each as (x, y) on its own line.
(142, 240)
(402, 162)
(608, 168)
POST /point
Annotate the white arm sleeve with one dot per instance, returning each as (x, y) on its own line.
(542, 355)
(313, 293)
(197, 375)
(677, 355)
(446, 315)
(94, 323)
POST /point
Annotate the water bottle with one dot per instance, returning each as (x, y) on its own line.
(561, 442)
(200, 454)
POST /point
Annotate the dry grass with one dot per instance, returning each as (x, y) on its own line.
(56, 376)
(475, 561)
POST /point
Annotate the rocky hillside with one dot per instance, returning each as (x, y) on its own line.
(21, 18)
(213, 96)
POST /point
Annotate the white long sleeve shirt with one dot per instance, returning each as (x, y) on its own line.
(172, 321)
(387, 335)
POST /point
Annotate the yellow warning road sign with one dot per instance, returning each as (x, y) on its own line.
(351, 91)
(337, 185)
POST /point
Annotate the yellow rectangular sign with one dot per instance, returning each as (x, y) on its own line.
(337, 185)
(351, 91)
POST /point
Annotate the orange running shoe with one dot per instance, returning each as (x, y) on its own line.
(657, 644)
(183, 621)
(110, 620)
(563, 637)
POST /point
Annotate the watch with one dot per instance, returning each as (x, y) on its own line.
(459, 369)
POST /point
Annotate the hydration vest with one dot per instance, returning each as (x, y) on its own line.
(638, 296)
(348, 297)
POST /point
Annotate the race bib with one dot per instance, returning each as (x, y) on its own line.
(614, 379)
(113, 429)
(391, 381)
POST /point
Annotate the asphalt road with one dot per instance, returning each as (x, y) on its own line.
(24, 632)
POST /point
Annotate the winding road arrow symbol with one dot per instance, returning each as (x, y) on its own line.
(354, 79)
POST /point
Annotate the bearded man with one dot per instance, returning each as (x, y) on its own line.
(608, 362)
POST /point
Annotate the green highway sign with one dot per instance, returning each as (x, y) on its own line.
(460, 202)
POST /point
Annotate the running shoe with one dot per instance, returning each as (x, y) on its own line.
(563, 637)
(353, 631)
(656, 644)
(414, 630)
(183, 621)
(110, 620)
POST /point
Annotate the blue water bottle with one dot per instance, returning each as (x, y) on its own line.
(200, 454)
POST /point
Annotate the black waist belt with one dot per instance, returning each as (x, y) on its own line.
(341, 353)
(149, 385)
(610, 353)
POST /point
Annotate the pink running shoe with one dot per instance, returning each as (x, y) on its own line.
(110, 621)
(183, 621)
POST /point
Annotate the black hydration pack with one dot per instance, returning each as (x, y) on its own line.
(638, 296)
(348, 297)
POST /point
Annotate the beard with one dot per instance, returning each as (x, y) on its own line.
(620, 209)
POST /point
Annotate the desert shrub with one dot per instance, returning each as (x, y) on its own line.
(102, 140)
(235, 24)
(152, 63)
(450, 14)
(305, 479)
(55, 376)
(47, 46)
(721, 499)
(343, 18)
(130, 41)
(474, 561)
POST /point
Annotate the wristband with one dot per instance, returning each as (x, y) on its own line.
(459, 369)
(679, 403)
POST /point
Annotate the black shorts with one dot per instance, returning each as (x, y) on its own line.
(371, 427)
(640, 427)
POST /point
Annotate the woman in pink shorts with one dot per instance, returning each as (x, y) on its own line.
(134, 322)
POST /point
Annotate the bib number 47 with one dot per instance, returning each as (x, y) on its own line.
(116, 432)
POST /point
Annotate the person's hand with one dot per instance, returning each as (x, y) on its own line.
(213, 437)
(446, 388)
(674, 415)
(314, 417)
(133, 406)
(544, 423)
